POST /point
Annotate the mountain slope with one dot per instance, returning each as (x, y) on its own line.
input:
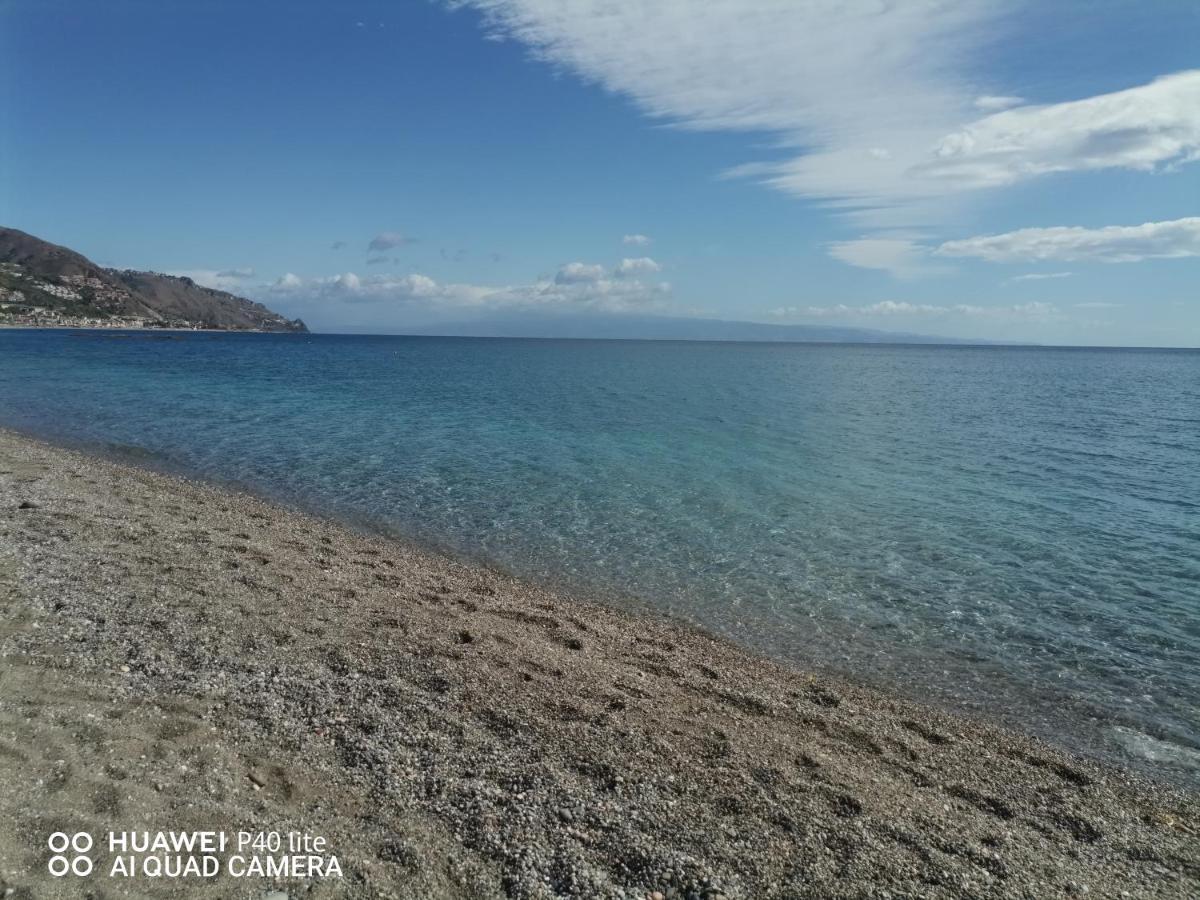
(43, 283)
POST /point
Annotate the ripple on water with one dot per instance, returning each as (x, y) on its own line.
(1003, 529)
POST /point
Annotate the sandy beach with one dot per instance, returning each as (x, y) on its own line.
(175, 655)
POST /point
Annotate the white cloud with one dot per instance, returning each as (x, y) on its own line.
(643, 265)
(993, 103)
(839, 79)
(638, 240)
(1145, 128)
(220, 279)
(902, 257)
(599, 293)
(1114, 243)
(1097, 304)
(1041, 276)
(389, 240)
(871, 104)
(348, 282)
(890, 309)
(579, 273)
(1154, 127)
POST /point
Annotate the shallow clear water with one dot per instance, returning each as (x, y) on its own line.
(1007, 530)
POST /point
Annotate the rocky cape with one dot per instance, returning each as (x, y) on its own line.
(44, 283)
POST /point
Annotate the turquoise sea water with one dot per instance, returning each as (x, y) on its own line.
(1012, 531)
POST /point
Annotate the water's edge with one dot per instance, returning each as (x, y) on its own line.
(1158, 764)
(1010, 533)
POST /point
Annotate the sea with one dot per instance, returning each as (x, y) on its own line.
(1008, 532)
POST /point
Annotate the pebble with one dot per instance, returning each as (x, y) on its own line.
(422, 746)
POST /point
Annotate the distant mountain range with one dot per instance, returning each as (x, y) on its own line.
(667, 328)
(45, 284)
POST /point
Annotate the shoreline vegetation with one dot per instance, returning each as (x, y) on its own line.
(177, 656)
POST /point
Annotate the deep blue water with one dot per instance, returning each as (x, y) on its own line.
(1010, 531)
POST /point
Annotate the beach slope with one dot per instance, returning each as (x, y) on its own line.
(180, 656)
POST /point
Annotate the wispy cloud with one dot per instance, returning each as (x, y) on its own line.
(1040, 276)
(389, 240)
(872, 107)
(902, 257)
(993, 103)
(220, 279)
(337, 245)
(1114, 243)
(1152, 127)
(1145, 128)
(637, 240)
(847, 82)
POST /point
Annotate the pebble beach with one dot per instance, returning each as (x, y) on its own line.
(178, 655)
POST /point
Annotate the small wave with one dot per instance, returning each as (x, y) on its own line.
(1142, 746)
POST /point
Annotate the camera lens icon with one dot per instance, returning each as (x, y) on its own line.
(79, 844)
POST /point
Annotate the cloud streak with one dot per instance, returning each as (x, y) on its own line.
(1146, 128)
(218, 279)
(1041, 276)
(871, 98)
(992, 103)
(844, 81)
(1112, 244)
(901, 257)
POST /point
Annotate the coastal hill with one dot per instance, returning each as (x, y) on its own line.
(45, 284)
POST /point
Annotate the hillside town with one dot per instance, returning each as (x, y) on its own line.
(71, 301)
(27, 301)
(22, 315)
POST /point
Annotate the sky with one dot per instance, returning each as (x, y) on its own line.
(989, 169)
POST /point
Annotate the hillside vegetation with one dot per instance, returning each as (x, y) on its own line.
(45, 284)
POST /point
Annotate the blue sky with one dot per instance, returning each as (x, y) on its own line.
(991, 169)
